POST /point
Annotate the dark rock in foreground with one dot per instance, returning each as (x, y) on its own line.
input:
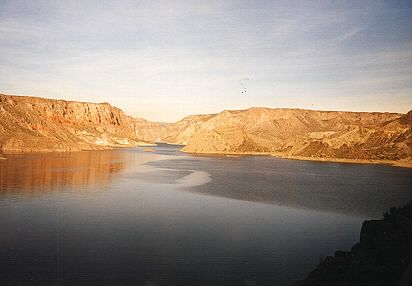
(382, 257)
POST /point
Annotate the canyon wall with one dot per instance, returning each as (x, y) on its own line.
(38, 124)
(305, 133)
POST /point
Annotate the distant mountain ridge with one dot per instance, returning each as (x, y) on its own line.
(38, 124)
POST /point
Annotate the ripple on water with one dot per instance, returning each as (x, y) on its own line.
(195, 178)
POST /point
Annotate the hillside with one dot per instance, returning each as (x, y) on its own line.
(305, 133)
(183, 131)
(39, 124)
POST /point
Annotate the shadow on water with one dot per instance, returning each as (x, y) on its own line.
(354, 189)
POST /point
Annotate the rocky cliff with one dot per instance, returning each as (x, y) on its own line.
(183, 131)
(382, 257)
(305, 133)
(149, 131)
(39, 124)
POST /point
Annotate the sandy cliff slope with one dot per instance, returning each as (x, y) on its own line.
(39, 124)
(149, 131)
(183, 130)
(305, 133)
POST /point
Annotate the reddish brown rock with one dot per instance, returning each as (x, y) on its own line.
(39, 124)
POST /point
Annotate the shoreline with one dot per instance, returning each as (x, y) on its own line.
(400, 163)
(69, 149)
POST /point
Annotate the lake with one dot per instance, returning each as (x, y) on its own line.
(129, 217)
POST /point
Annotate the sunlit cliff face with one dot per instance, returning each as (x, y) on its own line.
(39, 124)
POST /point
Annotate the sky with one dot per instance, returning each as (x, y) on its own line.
(163, 60)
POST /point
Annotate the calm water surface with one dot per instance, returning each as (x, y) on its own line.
(128, 217)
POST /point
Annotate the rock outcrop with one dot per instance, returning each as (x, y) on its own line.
(182, 131)
(305, 133)
(149, 131)
(382, 257)
(39, 124)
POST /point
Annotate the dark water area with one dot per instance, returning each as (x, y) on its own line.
(128, 217)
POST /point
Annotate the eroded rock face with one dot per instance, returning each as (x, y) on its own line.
(306, 133)
(39, 124)
(149, 131)
(182, 131)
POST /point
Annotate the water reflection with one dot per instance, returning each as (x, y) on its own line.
(171, 219)
(31, 173)
(360, 190)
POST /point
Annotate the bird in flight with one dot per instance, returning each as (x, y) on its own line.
(242, 84)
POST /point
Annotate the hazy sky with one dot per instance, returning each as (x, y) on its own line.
(163, 60)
